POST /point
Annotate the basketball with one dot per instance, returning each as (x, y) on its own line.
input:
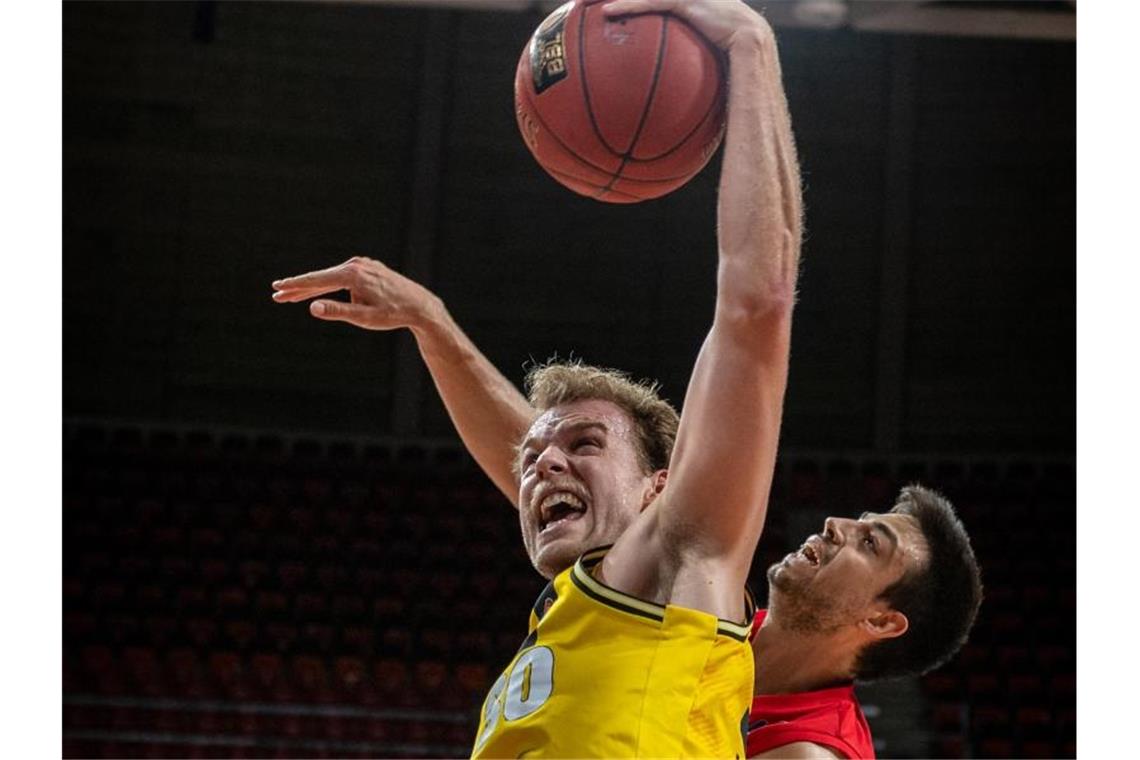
(620, 110)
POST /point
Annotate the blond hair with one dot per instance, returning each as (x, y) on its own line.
(655, 420)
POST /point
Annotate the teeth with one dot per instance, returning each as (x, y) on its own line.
(561, 496)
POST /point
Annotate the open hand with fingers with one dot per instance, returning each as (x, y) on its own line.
(380, 298)
(721, 21)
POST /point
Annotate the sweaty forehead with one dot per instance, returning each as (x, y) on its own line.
(906, 527)
(577, 414)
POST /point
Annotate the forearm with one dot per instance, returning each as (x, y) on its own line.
(759, 209)
(489, 412)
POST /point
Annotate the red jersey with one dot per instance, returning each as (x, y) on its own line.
(831, 717)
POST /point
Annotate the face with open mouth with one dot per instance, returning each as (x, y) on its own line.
(837, 574)
(582, 484)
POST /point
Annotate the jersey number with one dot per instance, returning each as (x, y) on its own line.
(520, 691)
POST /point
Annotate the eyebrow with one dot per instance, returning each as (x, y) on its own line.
(883, 528)
(571, 427)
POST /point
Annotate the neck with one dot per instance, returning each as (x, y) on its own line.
(794, 661)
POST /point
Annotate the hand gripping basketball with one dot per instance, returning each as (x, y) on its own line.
(622, 109)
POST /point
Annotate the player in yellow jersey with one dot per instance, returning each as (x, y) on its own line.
(609, 670)
(640, 649)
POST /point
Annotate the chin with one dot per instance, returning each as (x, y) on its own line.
(553, 559)
(779, 579)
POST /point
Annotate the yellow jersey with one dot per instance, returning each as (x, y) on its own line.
(604, 674)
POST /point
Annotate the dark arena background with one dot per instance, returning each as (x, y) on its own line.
(274, 544)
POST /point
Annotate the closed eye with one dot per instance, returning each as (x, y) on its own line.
(585, 442)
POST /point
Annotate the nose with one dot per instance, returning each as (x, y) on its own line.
(834, 530)
(551, 461)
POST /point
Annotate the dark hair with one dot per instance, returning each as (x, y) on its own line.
(940, 599)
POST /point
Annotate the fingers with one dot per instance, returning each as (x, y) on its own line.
(339, 311)
(333, 278)
(300, 294)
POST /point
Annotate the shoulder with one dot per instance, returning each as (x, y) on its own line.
(805, 750)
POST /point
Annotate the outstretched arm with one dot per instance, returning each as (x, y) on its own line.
(715, 500)
(489, 412)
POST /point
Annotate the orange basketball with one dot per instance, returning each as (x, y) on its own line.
(620, 110)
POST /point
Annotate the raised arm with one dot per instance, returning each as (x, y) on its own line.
(489, 412)
(715, 500)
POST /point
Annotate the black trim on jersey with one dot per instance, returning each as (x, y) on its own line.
(613, 598)
(610, 602)
(548, 595)
(529, 641)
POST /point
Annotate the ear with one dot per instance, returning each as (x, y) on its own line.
(885, 624)
(656, 486)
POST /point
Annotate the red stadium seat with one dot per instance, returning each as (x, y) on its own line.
(333, 577)
(354, 683)
(948, 747)
(240, 633)
(231, 600)
(392, 679)
(1027, 689)
(948, 717)
(267, 673)
(317, 490)
(359, 639)
(348, 606)
(389, 609)
(396, 641)
(213, 572)
(281, 635)
(1038, 749)
(995, 748)
(318, 637)
(253, 573)
(108, 594)
(79, 626)
(1014, 659)
(990, 720)
(271, 604)
(203, 632)
(291, 575)
(227, 671)
(102, 670)
(1063, 689)
(473, 678)
(435, 642)
(1035, 723)
(1054, 659)
(312, 679)
(474, 644)
(145, 671)
(184, 673)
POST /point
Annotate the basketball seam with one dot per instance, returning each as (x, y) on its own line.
(700, 122)
(661, 46)
(585, 86)
(591, 184)
(536, 115)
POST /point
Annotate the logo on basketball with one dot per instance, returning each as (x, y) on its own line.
(548, 50)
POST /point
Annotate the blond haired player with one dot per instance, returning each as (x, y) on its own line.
(642, 648)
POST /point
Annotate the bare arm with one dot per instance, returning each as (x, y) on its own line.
(715, 500)
(489, 412)
(802, 751)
